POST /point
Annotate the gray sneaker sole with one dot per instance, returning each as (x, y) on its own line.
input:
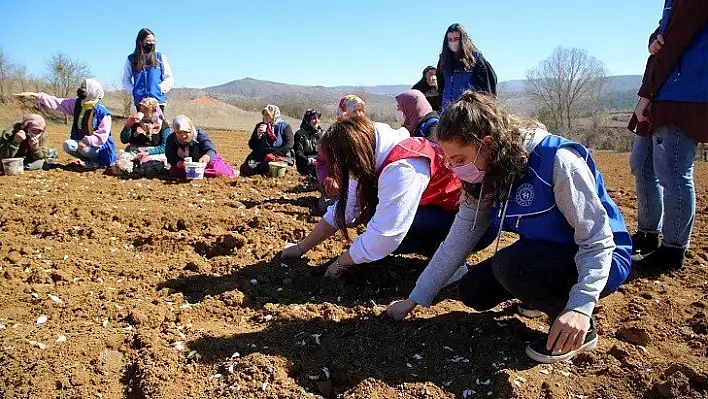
(541, 358)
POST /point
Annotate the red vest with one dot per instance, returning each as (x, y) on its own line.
(444, 188)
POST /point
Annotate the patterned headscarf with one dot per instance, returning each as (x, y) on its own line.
(273, 111)
(34, 122)
(351, 103)
(309, 114)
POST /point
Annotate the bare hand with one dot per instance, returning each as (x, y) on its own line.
(335, 270)
(331, 187)
(262, 128)
(642, 110)
(180, 165)
(398, 310)
(82, 145)
(291, 251)
(205, 159)
(568, 332)
(135, 118)
(33, 142)
(20, 136)
(27, 94)
(656, 45)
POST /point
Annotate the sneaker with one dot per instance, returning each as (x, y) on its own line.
(528, 312)
(644, 243)
(663, 259)
(538, 352)
(458, 275)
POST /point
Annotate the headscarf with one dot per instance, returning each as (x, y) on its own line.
(309, 114)
(183, 123)
(274, 112)
(422, 84)
(94, 94)
(351, 103)
(34, 122)
(414, 106)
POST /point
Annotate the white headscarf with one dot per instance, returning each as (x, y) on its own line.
(94, 90)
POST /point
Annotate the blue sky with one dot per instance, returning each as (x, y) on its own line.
(364, 42)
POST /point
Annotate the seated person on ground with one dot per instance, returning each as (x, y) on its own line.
(190, 142)
(272, 140)
(416, 115)
(306, 143)
(25, 139)
(90, 141)
(145, 134)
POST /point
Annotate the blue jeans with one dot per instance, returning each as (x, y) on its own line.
(87, 154)
(666, 198)
(428, 231)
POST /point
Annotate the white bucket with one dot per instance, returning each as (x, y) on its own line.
(13, 166)
(194, 170)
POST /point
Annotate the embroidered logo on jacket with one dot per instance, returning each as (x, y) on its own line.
(524, 194)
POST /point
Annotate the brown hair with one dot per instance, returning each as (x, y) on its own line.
(475, 116)
(466, 60)
(349, 146)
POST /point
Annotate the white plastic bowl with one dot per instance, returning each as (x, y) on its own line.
(195, 170)
(13, 166)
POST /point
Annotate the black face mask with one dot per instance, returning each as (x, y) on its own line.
(81, 94)
(147, 48)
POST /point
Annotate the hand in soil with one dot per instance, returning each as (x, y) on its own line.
(398, 310)
(335, 270)
(291, 251)
(568, 332)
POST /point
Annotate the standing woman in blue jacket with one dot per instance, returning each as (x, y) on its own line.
(462, 67)
(147, 72)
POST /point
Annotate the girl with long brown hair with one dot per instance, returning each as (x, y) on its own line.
(401, 187)
(462, 67)
(147, 72)
(574, 247)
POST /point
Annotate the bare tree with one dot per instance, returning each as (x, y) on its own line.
(65, 74)
(126, 101)
(564, 82)
(21, 78)
(5, 71)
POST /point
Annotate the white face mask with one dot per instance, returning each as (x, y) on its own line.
(454, 46)
(400, 117)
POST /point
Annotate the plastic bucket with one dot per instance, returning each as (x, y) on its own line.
(13, 166)
(277, 169)
(194, 170)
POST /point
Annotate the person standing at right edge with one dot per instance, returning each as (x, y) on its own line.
(674, 103)
(147, 72)
(462, 67)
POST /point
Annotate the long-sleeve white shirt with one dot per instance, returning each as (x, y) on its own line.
(401, 186)
(168, 80)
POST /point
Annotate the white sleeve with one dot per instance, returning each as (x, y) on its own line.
(168, 79)
(352, 210)
(401, 186)
(128, 76)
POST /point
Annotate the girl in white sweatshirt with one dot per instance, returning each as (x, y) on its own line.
(401, 187)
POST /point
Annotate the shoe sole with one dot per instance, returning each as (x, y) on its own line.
(559, 358)
(529, 313)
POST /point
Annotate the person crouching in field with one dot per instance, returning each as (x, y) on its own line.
(146, 134)
(188, 141)
(416, 115)
(272, 140)
(400, 186)
(574, 246)
(25, 139)
(90, 141)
